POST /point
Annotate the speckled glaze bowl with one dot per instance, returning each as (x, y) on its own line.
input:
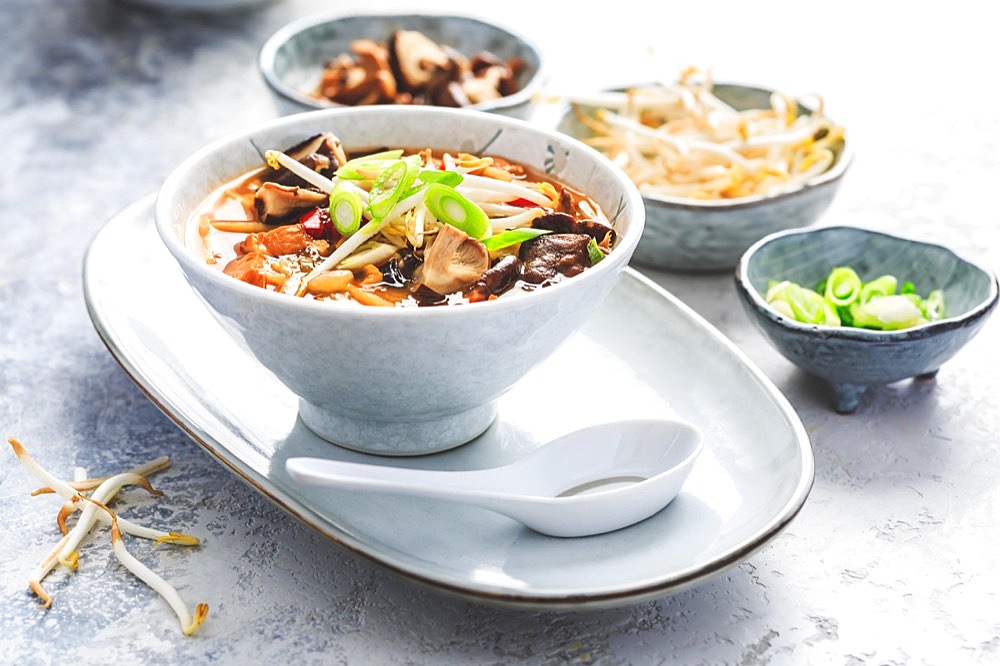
(401, 381)
(292, 59)
(850, 360)
(709, 236)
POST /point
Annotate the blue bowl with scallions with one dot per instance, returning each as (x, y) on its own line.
(838, 330)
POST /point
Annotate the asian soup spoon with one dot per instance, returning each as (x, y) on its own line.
(594, 480)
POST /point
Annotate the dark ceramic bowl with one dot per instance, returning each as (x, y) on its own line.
(850, 360)
(292, 59)
(707, 236)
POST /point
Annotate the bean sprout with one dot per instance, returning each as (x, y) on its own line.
(680, 140)
(93, 509)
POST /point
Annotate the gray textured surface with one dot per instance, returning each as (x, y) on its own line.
(894, 558)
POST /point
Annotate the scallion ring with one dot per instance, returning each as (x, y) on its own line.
(450, 207)
(346, 208)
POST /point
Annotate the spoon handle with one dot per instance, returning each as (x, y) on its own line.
(453, 485)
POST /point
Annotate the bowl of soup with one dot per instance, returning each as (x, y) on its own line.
(399, 268)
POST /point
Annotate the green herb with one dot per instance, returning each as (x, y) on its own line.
(594, 252)
(513, 237)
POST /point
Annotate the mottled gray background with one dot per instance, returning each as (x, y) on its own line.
(894, 557)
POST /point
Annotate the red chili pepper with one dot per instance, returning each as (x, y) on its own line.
(523, 203)
(317, 223)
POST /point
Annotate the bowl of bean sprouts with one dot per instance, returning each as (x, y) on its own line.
(719, 165)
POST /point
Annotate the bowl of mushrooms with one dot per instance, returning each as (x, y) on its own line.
(436, 60)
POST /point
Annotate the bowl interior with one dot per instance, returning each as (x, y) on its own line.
(415, 127)
(806, 257)
(293, 59)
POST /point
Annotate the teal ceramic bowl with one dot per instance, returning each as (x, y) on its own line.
(850, 360)
(709, 236)
(291, 61)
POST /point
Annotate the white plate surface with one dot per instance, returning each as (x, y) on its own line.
(643, 354)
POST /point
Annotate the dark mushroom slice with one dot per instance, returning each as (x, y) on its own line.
(323, 153)
(415, 59)
(453, 261)
(563, 223)
(280, 204)
(549, 256)
(497, 279)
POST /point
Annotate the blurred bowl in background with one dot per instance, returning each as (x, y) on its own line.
(293, 58)
(850, 360)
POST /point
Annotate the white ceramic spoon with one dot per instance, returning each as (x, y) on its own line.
(591, 481)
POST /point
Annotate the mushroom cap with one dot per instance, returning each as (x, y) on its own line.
(453, 261)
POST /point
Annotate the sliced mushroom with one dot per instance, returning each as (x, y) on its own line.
(563, 223)
(453, 261)
(415, 58)
(497, 279)
(276, 203)
(322, 153)
(549, 256)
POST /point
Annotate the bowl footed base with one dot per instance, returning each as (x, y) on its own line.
(398, 438)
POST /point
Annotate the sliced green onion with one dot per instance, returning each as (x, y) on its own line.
(449, 178)
(386, 190)
(450, 207)
(368, 167)
(346, 208)
(805, 304)
(513, 237)
(887, 313)
(846, 301)
(594, 252)
(843, 287)
(880, 286)
(933, 305)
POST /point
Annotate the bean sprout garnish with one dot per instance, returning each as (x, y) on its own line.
(94, 508)
(681, 140)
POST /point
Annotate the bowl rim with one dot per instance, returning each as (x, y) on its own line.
(828, 177)
(268, 52)
(751, 295)
(616, 261)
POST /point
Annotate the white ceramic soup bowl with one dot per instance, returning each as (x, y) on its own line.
(401, 381)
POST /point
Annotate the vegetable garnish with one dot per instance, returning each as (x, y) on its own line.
(681, 140)
(843, 299)
(449, 178)
(594, 252)
(513, 237)
(95, 508)
(450, 207)
(346, 209)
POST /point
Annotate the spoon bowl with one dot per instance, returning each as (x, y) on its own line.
(590, 481)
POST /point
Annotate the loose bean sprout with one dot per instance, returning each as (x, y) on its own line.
(94, 508)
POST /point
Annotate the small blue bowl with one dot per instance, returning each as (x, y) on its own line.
(850, 360)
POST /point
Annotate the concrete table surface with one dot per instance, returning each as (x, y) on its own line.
(894, 558)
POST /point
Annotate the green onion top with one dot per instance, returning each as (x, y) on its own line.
(450, 207)
(513, 237)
